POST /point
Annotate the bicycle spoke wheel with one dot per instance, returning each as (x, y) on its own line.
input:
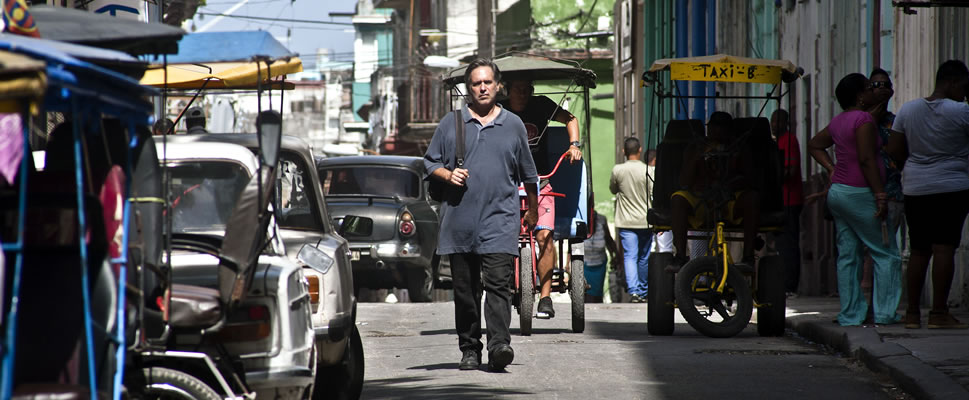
(713, 313)
(526, 290)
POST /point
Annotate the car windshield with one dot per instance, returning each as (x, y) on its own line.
(205, 194)
(294, 201)
(371, 180)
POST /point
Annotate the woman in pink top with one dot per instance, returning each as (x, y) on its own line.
(858, 202)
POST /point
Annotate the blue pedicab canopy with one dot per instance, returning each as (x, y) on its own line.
(214, 47)
(97, 88)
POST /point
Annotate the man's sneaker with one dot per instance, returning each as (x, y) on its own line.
(677, 263)
(635, 298)
(471, 360)
(545, 309)
(500, 357)
(944, 321)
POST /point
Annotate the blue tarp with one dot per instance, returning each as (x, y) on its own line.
(107, 91)
(211, 47)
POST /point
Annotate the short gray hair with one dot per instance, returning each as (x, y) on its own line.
(481, 62)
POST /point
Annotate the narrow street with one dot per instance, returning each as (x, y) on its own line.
(411, 352)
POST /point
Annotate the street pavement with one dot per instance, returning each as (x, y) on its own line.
(926, 363)
(411, 352)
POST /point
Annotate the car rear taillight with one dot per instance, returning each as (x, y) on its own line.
(247, 325)
(407, 227)
(314, 282)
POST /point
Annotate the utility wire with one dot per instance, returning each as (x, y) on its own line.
(301, 21)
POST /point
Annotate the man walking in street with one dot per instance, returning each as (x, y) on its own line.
(536, 112)
(631, 187)
(480, 212)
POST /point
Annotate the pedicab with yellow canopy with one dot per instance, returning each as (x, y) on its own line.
(714, 294)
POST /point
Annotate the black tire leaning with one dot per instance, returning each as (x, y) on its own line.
(166, 383)
(526, 290)
(420, 284)
(771, 296)
(736, 283)
(577, 294)
(659, 298)
(343, 381)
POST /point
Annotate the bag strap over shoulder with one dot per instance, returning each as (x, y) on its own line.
(459, 138)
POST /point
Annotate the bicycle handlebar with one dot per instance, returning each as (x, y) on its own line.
(559, 162)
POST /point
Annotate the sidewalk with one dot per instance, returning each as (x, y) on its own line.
(926, 363)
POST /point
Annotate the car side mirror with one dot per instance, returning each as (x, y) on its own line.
(269, 127)
(315, 258)
(353, 225)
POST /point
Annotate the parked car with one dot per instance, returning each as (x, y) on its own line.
(399, 252)
(270, 333)
(303, 220)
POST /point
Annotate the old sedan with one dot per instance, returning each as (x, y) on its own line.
(270, 333)
(399, 252)
(303, 220)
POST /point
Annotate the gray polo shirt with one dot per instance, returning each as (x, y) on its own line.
(485, 217)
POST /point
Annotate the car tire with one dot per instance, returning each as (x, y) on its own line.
(343, 381)
(166, 383)
(420, 284)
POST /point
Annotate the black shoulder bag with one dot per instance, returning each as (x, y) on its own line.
(435, 188)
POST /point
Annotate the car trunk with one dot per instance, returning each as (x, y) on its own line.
(382, 211)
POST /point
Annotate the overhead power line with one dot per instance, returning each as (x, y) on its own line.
(301, 21)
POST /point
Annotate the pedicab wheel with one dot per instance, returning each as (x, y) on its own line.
(166, 383)
(526, 291)
(771, 296)
(713, 314)
(659, 298)
(577, 292)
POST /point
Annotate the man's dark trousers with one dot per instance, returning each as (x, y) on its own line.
(495, 272)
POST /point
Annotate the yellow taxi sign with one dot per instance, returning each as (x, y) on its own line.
(725, 72)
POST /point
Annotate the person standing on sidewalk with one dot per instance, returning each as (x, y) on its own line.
(789, 241)
(881, 85)
(858, 202)
(480, 212)
(536, 112)
(596, 246)
(935, 182)
(631, 186)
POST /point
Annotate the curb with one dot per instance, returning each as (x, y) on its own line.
(917, 378)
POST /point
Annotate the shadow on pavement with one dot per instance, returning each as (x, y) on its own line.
(411, 388)
(435, 367)
(433, 332)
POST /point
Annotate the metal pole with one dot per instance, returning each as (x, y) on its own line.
(711, 49)
(698, 33)
(682, 49)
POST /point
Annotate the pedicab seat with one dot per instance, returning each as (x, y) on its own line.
(194, 307)
(51, 311)
(669, 162)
